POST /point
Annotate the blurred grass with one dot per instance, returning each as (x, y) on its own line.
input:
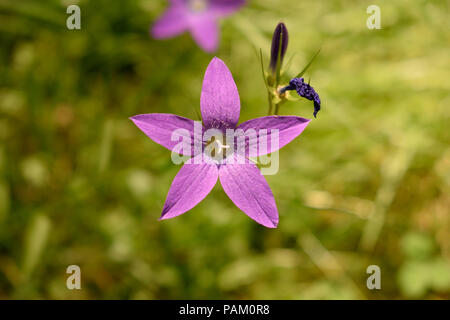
(367, 183)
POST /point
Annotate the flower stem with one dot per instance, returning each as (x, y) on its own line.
(278, 105)
(270, 104)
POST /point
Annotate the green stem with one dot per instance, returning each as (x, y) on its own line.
(277, 106)
(270, 104)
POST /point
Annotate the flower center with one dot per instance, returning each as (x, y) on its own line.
(198, 6)
(216, 148)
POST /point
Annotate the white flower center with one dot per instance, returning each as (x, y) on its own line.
(216, 149)
(220, 146)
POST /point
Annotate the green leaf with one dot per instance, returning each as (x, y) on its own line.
(262, 68)
(308, 65)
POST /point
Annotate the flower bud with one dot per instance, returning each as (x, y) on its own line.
(279, 42)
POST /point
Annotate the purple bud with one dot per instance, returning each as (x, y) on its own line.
(280, 34)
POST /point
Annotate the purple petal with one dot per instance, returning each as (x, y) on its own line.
(288, 128)
(226, 7)
(173, 22)
(191, 185)
(219, 102)
(161, 126)
(205, 31)
(249, 191)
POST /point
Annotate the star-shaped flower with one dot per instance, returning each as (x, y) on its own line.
(240, 178)
(199, 17)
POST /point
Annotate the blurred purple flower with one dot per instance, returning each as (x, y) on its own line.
(240, 179)
(199, 17)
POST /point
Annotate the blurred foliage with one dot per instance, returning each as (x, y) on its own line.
(367, 183)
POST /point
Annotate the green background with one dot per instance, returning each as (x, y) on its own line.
(368, 182)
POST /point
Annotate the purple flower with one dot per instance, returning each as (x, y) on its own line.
(304, 90)
(240, 179)
(199, 17)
